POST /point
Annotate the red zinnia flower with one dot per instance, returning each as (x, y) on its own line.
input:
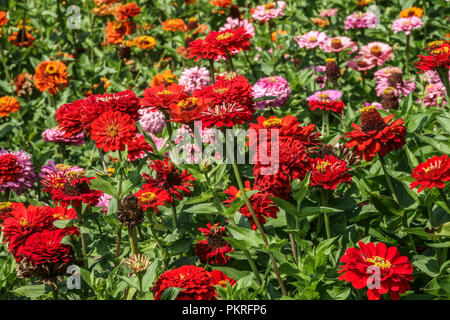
(275, 174)
(152, 197)
(68, 117)
(186, 110)
(229, 41)
(46, 247)
(376, 134)
(197, 283)
(214, 249)
(439, 57)
(261, 204)
(380, 269)
(199, 49)
(127, 10)
(138, 147)
(432, 173)
(329, 172)
(9, 167)
(221, 278)
(335, 106)
(161, 97)
(170, 179)
(113, 130)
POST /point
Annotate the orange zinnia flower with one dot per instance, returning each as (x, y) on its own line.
(144, 42)
(8, 105)
(116, 31)
(127, 11)
(221, 3)
(174, 25)
(50, 76)
(165, 77)
(3, 18)
(21, 38)
(413, 11)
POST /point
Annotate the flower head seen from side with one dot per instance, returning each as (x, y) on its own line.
(432, 173)
(196, 282)
(338, 44)
(329, 172)
(379, 52)
(169, 178)
(51, 76)
(194, 78)
(214, 249)
(56, 135)
(113, 130)
(376, 135)
(361, 20)
(16, 171)
(266, 12)
(380, 269)
(328, 100)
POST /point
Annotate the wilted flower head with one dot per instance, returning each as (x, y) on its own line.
(138, 263)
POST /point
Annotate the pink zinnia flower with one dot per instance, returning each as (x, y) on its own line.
(235, 23)
(328, 12)
(57, 135)
(194, 78)
(338, 44)
(152, 120)
(103, 201)
(312, 39)
(275, 86)
(377, 51)
(434, 96)
(361, 20)
(406, 24)
(361, 63)
(391, 77)
(269, 11)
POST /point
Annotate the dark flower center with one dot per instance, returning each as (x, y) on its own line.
(371, 120)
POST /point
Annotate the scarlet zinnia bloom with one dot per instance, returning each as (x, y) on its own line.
(170, 179)
(3, 18)
(387, 267)
(22, 222)
(229, 41)
(127, 11)
(71, 187)
(261, 204)
(329, 172)
(326, 100)
(199, 49)
(8, 105)
(46, 248)
(213, 250)
(68, 117)
(51, 76)
(221, 3)
(187, 109)
(150, 197)
(432, 173)
(221, 278)
(439, 57)
(138, 147)
(16, 171)
(161, 97)
(275, 174)
(113, 130)
(21, 38)
(174, 25)
(197, 283)
(376, 134)
(116, 31)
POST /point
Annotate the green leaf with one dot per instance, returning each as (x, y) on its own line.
(103, 185)
(170, 293)
(149, 276)
(203, 208)
(386, 205)
(31, 291)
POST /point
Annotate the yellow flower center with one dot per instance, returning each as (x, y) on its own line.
(388, 90)
(324, 97)
(112, 130)
(224, 36)
(270, 5)
(312, 39)
(330, 60)
(375, 50)
(165, 93)
(51, 69)
(188, 104)
(5, 205)
(182, 276)
(435, 44)
(220, 90)
(322, 166)
(23, 222)
(272, 123)
(367, 109)
(147, 197)
(62, 167)
(433, 166)
(379, 262)
(439, 51)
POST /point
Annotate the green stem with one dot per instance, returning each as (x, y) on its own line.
(251, 66)
(258, 225)
(118, 239)
(443, 74)
(80, 220)
(5, 68)
(174, 216)
(324, 196)
(388, 179)
(54, 293)
(133, 240)
(211, 71)
(407, 54)
(163, 250)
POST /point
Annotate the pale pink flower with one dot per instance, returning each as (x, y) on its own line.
(377, 105)
(361, 20)
(57, 135)
(361, 63)
(103, 201)
(269, 11)
(402, 86)
(328, 12)
(312, 39)
(152, 120)
(236, 23)
(377, 51)
(435, 95)
(338, 44)
(274, 86)
(194, 78)
(406, 24)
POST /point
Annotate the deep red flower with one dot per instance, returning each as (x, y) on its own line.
(9, 167)
(113, 130)
(384, 269)
(152, 197)
(261, 204)
(335, 105)
(432, 173)
(71, 187)
(197, 283)
(213, 250)
(275, 174)
(439, 57)
(161, 97)
(199, 49)
(46, 247)
(127, 10)
(329, 172)
(376, 134)
(170, 179)
(221, 278)
(229, 41)
(186, 110)
(138, 147)
(68, 117)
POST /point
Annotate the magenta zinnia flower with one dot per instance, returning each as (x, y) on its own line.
(406, 25)
(274, 86)
(235, 23)
(338, 44)
(392, 77)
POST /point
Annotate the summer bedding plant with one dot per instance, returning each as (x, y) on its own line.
(224, 149)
